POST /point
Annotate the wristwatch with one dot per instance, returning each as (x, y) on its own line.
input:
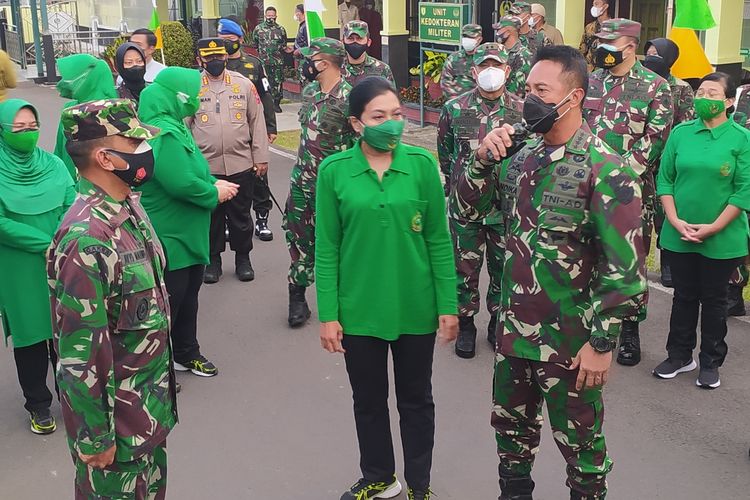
(602, 344)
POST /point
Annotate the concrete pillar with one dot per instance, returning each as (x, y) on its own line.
(210, 17)
(396, 40)
(570, 19)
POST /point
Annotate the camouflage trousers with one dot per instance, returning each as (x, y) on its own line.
(648, 212)
(520, 387)
(299, 224)
(142, 479)
(471, 240)
(276, 80)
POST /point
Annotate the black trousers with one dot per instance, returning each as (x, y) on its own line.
(367, 365)
(235, 214)
(183, 286)
(262, 197)
(32, 363)
(699, 283)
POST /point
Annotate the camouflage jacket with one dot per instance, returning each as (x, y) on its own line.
(110, 313)
(270, 40)
(589, 42)
(519, 60)
(742, 106)
(464, 122)
(682, 100)
(325, 124)
(534, 40)
(632, 114)
(456, 76)
(353, 73)
(572, 238)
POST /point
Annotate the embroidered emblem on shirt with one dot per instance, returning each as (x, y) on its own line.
(724, 170)
(416, 222)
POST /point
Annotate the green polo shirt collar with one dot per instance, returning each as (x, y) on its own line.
(361, 165)
(715, 132)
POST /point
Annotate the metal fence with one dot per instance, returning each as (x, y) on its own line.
(92, 42)
(12, 43)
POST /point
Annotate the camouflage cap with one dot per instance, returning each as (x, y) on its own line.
(519, 8)
(471, 30)
(212, 46)
(490, 50)
(99, 119)
(324, 45)
(359, 28)
(507, 22)
(613, 29)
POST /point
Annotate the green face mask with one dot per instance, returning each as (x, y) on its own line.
(384, 137)
(706, 109)
(23, 141)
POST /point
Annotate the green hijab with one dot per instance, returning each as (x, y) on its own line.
(30, 183)
(85, 78)
(169, 100)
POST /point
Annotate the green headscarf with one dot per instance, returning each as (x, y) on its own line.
(85, 78)
(169, 100)
(30, 183)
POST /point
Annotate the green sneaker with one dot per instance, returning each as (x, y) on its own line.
(42, 422)
(199, 366)
(412, 494)
(366, 490)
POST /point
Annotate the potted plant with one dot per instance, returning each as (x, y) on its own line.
(178, 45)
(432, 68)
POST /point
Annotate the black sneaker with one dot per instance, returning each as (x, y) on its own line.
(708, 378)
(366, 490)
(261, 229)
(412, 494)
(466, 342)
(42, 422)
(199, 366)
(670, 368)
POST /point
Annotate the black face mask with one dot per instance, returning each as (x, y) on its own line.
(232, 47)
(215, 67)
(540, 116)
(309, 70)
(607, 58)
(657, 64)
(501, 38)
(355, 49)
(134, 74)
(271, 20)
(140, 165)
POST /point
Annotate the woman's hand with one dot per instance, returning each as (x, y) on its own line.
(448, 329)
(331, 334)
(687, 231)
(703, 231)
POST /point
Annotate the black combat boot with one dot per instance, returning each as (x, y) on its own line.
(299, 313)
(576, 495)
(735, 302)
(629, 353)
(213, 270)
(242, 268)
(261, 226)
(466, 343)
(491, 330)
(666, 272)
(515, 487)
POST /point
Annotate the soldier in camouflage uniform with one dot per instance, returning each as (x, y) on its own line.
(630, 108)
(530, 38)
(324, 117)
(111, 311)
(475, 229)
(359, 64)
(269, 37)
(589, 41)
(519, 57)
(661, 54)
(739, 279)
(573, 264)
(456, 77)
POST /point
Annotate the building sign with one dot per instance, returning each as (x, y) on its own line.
(442, 22)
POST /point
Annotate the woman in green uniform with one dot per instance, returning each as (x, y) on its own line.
(179, 200)
(386, 280)
(704, 184)
(35, 193)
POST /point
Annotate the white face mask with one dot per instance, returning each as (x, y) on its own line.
(469, 44)
(532, 22)
(596, 11)
(491, 79)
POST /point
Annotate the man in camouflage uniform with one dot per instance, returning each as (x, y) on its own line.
(740, 278)
(589, 41)
(519, 57)
(300, 41)
(476, 229)
(630, 108)
(530, 38)
(572, 267)
(359, 64)
(269, 37)
(661, 54)
(111, 311)
(324, 117)
(456, 77)
(252, 68)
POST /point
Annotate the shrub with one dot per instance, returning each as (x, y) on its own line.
(178, 45)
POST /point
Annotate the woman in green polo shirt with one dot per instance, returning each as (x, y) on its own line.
(386, 280)
(704, 184)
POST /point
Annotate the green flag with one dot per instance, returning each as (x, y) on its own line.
(694, 15)
(314, 17)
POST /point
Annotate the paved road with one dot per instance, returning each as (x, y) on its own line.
(276, 424)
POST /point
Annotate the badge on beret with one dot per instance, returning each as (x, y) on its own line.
(416, 222)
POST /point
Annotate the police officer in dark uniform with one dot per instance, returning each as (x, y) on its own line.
(252, 68)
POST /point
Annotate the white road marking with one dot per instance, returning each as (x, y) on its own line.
(283, 153)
